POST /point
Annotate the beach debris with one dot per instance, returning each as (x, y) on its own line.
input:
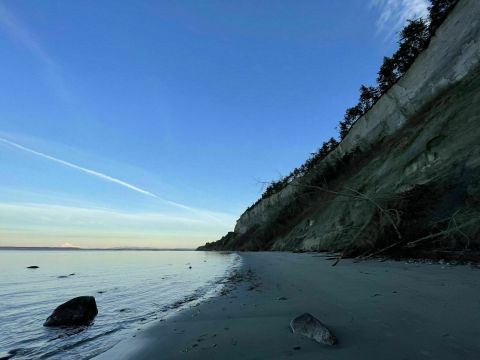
(33, 267)
(77, 311)
(309, 326)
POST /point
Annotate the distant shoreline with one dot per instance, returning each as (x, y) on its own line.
(42, 248)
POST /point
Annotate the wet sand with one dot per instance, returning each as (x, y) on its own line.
(377, 310)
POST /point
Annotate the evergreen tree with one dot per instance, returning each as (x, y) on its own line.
(388, 74)
(439, 10)
(368, 96)
(413, 40)
(332, 143)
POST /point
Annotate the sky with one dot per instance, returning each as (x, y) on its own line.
(155, 123)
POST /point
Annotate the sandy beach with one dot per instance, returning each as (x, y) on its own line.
(377, 310)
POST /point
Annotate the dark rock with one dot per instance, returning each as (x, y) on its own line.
(33, 267)
(309, 326)
(189, 267)
(62, 277)
(5, 356)
(282, 298)
(78, 311)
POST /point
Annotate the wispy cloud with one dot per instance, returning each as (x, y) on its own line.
(80, 168)
(108, 178)
(395, 13)
(30, 224)
(60, 216)
(20, 33)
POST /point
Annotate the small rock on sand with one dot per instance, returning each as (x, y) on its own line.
(33, 267)
(309, 326)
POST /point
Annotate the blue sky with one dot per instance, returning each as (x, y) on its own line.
(153, 123)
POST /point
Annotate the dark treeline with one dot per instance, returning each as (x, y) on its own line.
(413, 39)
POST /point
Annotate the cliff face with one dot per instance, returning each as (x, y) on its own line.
(409, 170)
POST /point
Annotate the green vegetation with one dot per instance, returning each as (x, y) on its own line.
(413, 39)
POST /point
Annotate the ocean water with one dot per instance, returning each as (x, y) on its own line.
(131, 288)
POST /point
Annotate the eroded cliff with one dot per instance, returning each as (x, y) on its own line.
(406, 177)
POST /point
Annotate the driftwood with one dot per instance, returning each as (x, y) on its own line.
(446, 232)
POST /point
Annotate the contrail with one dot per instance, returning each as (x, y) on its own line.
(102, 176)
(85, 170)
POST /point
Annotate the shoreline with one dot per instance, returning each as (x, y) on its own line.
(377, 309)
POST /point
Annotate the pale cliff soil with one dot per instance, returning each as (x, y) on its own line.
(378, 310)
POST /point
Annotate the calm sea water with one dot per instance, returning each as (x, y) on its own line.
(131, 288)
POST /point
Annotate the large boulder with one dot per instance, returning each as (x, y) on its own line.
(309, 326)
(78, 311)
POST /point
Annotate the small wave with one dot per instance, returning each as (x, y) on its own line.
(76, 344)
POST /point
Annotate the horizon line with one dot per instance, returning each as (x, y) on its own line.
(74, 248)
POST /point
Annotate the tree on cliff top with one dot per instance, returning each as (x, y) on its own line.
(438, 11)
(414, 39)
